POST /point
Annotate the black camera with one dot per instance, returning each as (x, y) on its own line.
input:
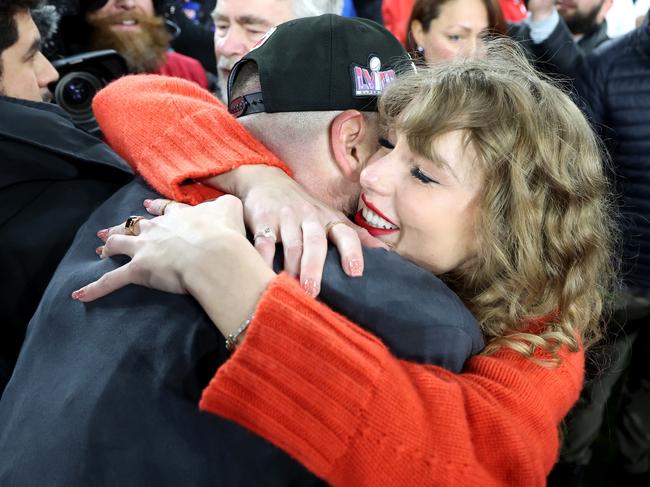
(80, 78)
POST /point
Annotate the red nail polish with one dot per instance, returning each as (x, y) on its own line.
(78, 294)
(103, 234)
(98, 251)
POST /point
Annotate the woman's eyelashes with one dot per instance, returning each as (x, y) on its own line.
(385, 143)
(417, 173)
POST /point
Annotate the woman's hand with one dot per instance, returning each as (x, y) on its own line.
(165, 249)
(276, 203)
(201, 250)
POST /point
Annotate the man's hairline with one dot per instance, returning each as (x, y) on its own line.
(18, 11)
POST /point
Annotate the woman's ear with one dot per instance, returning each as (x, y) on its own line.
(417, 31)
(347, 134)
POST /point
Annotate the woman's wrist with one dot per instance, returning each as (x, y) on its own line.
(241, 180)
(229, 302)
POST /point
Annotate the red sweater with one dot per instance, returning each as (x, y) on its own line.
(180, 66)
(315, 384)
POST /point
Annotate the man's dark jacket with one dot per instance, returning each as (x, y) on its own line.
(53, 176)
(106, 393)
(614, 84)
(559, 54)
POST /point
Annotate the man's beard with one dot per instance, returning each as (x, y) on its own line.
(46, 94)
(144, 50)
(583, 23)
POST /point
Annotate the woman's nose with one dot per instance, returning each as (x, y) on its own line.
(377, 176)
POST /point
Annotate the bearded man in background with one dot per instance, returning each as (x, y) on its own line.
(134, 29)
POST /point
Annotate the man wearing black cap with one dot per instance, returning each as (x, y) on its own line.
(240, 24)
(108, 392)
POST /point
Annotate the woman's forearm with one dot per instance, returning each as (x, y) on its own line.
(333, 397)
(227, 301)
(174, 134)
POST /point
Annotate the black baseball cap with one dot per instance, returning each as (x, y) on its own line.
(320, 63)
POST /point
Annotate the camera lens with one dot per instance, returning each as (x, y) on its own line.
(75, 92)
(78, 92)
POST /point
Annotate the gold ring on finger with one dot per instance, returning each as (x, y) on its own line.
(130, 224)
(332, 224)
(164, 207)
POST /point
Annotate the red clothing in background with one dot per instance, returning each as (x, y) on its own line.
(397, 13)
(513, 10)
(181, 66)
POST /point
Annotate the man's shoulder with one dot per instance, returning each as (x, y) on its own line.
(632, 45)
(416, 314)
(46, 127)
(16, 111)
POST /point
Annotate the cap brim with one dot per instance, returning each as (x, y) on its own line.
(233, 73)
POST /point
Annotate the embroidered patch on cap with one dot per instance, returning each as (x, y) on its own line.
(371, 80)
(264, 38)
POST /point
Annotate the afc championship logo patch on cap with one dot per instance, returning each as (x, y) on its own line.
(371, 80)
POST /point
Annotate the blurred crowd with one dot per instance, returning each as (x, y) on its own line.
(54, 176)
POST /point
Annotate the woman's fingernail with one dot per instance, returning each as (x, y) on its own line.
(147, 203)
(103, 234)
(355, 267)
(311, 287)
(99, 250)
(78, 294)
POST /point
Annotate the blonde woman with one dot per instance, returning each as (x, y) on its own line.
(490, 177)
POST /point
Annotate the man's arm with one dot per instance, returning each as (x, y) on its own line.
(558, 54)
(548, 39)
(333, 397)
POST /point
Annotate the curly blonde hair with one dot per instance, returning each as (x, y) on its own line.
(546, 227)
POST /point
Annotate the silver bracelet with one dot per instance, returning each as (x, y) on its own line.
(233, 338)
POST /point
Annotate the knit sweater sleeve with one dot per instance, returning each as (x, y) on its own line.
(333, 397)
(175, 133)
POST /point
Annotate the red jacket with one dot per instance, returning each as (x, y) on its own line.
(317, 385)
(181, 66)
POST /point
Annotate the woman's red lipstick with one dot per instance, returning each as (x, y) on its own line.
(372, 207)
(374, 231)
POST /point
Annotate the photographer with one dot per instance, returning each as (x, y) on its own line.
(135, 29)
(53, 175)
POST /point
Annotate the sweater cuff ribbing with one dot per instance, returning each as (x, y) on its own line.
(267, 384)
(220, 144)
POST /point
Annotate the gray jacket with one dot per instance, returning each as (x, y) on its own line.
(106, 393)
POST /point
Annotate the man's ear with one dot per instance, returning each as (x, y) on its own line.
(347, 133)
